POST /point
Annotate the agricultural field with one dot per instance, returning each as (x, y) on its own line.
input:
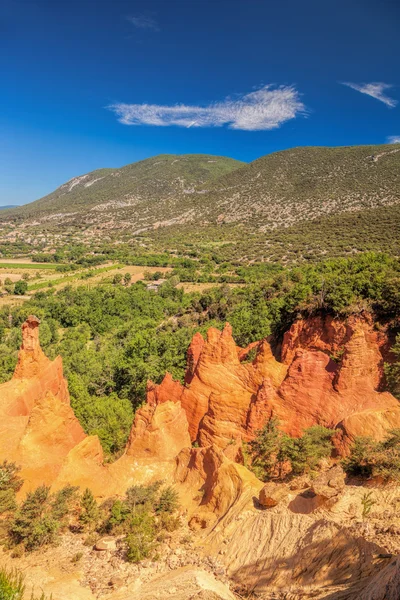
(44, 276)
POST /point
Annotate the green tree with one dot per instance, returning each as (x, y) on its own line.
(89, 514)
(168, 501)
(264, 450)
(10, 484)
(33, 525)
(20, 287)
(127, 278)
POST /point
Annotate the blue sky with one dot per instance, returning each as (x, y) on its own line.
(91, 84)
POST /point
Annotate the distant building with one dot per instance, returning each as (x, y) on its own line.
(154, 286)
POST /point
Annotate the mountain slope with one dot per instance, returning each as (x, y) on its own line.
(137, 194)
(277, 190)
(302, 184)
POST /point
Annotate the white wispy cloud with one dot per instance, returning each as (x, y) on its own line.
(143, 22)
(375, 90)
(266, 108)
(393, 139)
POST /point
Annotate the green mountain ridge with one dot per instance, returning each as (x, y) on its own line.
(279, 190)
(127, 194)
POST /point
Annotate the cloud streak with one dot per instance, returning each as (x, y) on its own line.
(264, 109)
(393, 139)
(375, 90)
(143, 22)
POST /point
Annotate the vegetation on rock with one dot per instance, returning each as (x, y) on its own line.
(275, 455)
(369, 458)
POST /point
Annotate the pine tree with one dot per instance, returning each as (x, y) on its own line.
(89, 510)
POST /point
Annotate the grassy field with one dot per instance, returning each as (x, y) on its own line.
(29, 265)
(76, 276)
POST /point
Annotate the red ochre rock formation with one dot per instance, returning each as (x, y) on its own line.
(39, 431)
(38, 428)
(159, 431)
(330, 375)
(223, 401)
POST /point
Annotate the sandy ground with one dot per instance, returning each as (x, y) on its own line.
(200, 287)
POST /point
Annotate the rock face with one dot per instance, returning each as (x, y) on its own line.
(330, 375)
(159, 431)
(186, 583)
(38, 428)
(223, 486)
(273, 494)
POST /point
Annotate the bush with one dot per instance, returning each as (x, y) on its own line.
(142, 495)
(375, 459)
(12, 586)
(10, 484)
(275, 454)
(20, 287)
(168, 501)
(89, 514)
(142, 515)
(141, 537)
(264, 450)
(40, 517)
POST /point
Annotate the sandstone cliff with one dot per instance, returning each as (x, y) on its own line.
(330, 375)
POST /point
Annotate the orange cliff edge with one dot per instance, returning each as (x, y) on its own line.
(227, 401)
(224, 401)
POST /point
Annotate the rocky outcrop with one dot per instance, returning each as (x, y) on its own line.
(159, 431)
(330, 375)
(186, 583)
(220, 395)
(38, 428)
(35, 376)
(328, 486)
(273, 494)
(217, 484)
(299, 556)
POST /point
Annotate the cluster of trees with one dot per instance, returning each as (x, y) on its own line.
(369, 458)
(143, 516)
(274, 454)
(19, 288)
(140, 517)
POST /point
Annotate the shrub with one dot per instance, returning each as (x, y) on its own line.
(371, 459)
(10, 484)
(62, 501)
(89, 514)
(367, 503)
(274, 453)
(359, 462)
(142, 495)
(20, 287)
(40, 517)
(141, 538)
(142, 516)
(168, 501)
(264, 450)
(12, 586)
(306, 452)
